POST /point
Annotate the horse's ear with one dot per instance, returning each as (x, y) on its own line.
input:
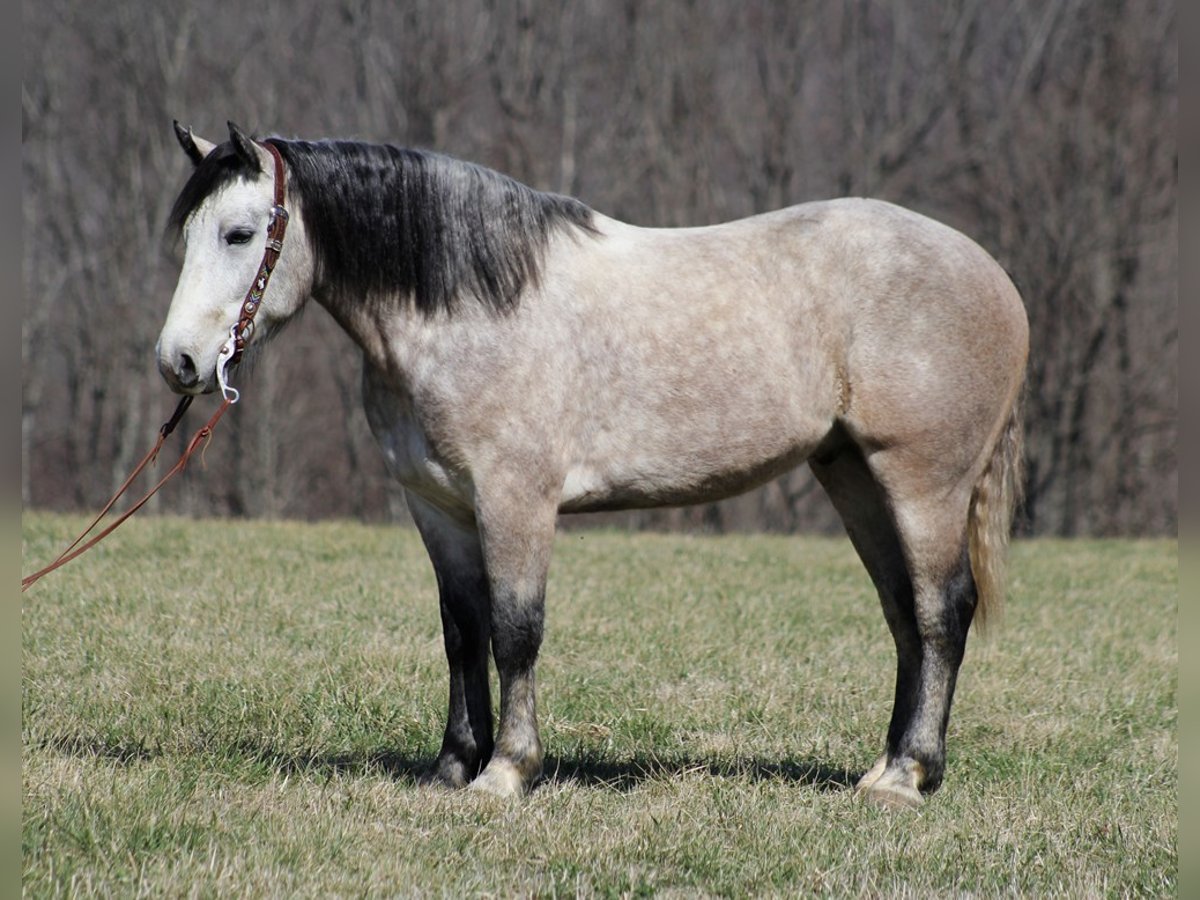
(195, 147)
(255, 156)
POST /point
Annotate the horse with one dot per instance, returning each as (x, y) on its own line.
(525, 356)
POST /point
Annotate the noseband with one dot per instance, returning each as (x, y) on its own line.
(241, 331)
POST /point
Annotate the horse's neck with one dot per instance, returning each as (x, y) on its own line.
(402, 343)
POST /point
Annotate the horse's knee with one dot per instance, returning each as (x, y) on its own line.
(517, 624)
(518, 539)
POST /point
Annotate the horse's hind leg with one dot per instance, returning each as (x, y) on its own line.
(933, 530)
(914, 546)
(466, 625)
(867, 516)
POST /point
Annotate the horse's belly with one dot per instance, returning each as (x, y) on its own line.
(647, 443)
(639, 482)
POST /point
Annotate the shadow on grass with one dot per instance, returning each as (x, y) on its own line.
(590, 771)
(628, 774)
(286, 762)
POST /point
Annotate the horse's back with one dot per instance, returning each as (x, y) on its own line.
(847, 288)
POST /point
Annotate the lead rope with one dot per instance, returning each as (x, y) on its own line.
(199, 439)
(230, 354)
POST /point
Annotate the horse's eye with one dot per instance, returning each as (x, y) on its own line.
(239, 236)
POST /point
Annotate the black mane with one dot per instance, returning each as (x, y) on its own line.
(383, 220)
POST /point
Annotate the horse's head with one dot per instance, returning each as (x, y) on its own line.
(222, 216)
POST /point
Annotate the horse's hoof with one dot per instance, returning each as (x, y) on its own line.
(500, 779)
(892, 787)
(447, 774)
(433, 781)
(893, 796)
(872, 775)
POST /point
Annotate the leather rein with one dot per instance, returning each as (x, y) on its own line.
(231, 353)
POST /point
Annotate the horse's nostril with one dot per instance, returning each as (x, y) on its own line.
(187, 369)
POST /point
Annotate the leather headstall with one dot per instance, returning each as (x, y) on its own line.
(276, 228)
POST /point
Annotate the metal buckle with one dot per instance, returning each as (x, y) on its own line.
(228, 349)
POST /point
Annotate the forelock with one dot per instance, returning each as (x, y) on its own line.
(220, 168)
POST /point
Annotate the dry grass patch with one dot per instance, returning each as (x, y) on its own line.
(705, 702)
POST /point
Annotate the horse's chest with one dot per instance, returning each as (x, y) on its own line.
(407, 449)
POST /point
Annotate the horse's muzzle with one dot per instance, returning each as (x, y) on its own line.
(181, 375)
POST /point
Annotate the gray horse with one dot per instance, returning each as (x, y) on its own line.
(525, 356)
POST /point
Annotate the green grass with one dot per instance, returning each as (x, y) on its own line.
(233, 709)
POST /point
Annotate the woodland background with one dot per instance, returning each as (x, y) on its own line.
(1045, 129)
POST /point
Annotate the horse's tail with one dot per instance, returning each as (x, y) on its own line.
(993, 503)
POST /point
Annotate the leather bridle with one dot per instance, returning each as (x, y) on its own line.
(231, 353)
(242, 330)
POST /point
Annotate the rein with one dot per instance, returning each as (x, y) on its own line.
(231, 353)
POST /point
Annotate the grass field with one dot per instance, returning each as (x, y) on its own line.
(232, 709)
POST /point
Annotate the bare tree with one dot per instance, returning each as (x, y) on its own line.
(1043, 129)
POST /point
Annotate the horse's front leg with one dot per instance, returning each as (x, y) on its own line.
(457, 559)
(518, 536)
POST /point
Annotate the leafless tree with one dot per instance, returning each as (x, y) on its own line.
(1046, 130)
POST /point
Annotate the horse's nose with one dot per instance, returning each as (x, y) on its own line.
(180, 372)
(187, 371)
